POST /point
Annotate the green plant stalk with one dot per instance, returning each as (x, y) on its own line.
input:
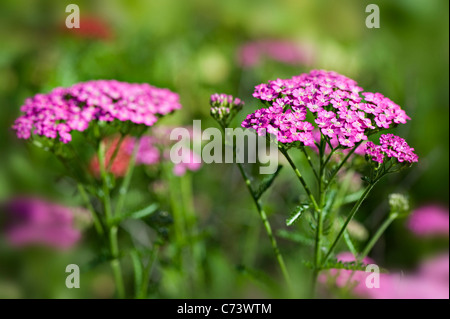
(359, 257)
(319, 229)
(179, 225)
(317, 254)
(341, 164)
(318, 237)
(177, 210)
(126, 181)
(263, 216)
(308, 158)
(196, 247)
(300, 178)
(349, 218)
(116, 151)
(112, 230)
(142, 294)
(115, 263)
(95, 217)
(388, 221)
(105, 188)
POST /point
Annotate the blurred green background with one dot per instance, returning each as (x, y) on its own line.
(192, 48)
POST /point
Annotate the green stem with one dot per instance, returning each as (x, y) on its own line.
(196, 247)
(377, 236)
(319, 229)
(126, 180)
(115, 262)
(104, 176)
(116, 151)
(308, 158)
(333, 175)
(146, 274)
(267, 226)
(372, 242)
(317, 252)
(349, 218)
(112, 233)
(95, 217)
(300, 178)
(177, 210)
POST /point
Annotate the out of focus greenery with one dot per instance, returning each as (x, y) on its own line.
(191, 47)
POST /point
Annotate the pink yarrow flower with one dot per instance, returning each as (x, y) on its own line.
(64, 110)
(391, 146)
(341, 110)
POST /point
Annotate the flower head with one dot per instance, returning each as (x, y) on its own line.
(224, 107)
(340, 108)
(391, 146)
(64, 110)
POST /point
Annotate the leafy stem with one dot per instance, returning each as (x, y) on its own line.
(267, 226)
(300, 178)
(112, 230)
(377, 236)
(349, 218)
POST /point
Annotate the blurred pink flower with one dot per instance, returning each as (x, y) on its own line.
(34, 221)
(147, 152)
(191, 162)
(431, 281)
(250, 54)
(344, 277)
(429, 220)
(152, 149)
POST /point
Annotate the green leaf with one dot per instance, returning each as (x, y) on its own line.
(266, 183)
(144, 212)
(348, 265)
(351, 198)
(140, 214)
(295, 237)
(349, 243)
(296, 213)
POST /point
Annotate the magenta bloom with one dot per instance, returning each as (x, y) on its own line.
(391, 146)
(66, 109)
(217, 100)
(36, 222)
(429, 220)
(147, 153)
(341, 111)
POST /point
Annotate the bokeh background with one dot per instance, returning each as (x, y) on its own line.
(200, 47)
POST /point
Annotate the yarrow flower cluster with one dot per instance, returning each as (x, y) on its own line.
(341, 109)
(391, 146)
(66, 109)
(224, 107)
